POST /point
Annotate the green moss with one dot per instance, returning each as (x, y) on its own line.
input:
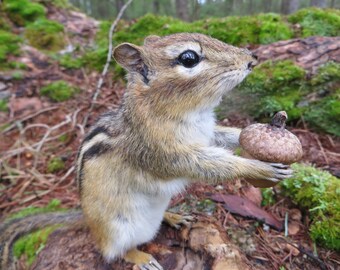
(327, 73)
(319, 192)
(3, 105)
(30, 245)
(65, 4)
(55, 164)
(317, 22)
(277, 86)
(9, 45)
(17, 75)
(53, 205)
(282, 85)
(273, 28)
(17, 65)
(46, 35)
(207, 206)
(267, 196)
(59, 91)
(64, 138)
(234, 30)
(3, 23)
(324, 114)
(22, 12)
(70, 62)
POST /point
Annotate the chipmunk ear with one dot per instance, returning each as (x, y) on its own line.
(150, 39)
(129, 57)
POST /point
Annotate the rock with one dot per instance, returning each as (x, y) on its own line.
(5, 94)
(3, 86)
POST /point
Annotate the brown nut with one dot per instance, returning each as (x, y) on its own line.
(271, 142)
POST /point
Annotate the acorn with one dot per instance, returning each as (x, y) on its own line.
(270, 143)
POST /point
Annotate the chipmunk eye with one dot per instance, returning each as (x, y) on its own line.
(188, 59)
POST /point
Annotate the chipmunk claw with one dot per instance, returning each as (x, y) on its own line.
(176, 220)
(151, 265)
(281, 171)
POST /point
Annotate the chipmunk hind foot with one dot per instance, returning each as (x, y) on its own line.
(143, 260)
(176, 220)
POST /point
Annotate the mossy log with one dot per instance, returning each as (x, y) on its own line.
(308, 53)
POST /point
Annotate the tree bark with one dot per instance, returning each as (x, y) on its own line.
(318, 3)
(289, 6)
(156, 6)
(182, 9)
(309, 53)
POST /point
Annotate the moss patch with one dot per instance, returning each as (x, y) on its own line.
(9, 45)
(46, 35)
(260, 29)
(55, 164)
(282, 85)
(31, 244)
(23, 12)
(319, 192)
(59, 91)
(317, 21)
(3, 106)
(70, 62)
(54, 205)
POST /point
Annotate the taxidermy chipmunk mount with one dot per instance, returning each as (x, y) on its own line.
(162, 138)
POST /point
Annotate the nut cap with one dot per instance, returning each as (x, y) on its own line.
(271, 142)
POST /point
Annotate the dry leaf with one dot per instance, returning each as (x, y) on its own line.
(293, 227)
(292, 249)
(254, 194)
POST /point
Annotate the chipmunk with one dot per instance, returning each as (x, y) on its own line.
(162, 138)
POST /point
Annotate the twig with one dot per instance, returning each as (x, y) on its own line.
(13, 125)
(286, 224)
(308, 253)
(321, 148)
(47, 134)
(108, 61)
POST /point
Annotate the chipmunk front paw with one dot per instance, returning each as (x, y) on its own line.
(176, 220)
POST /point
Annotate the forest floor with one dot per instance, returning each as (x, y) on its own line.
(36, 130)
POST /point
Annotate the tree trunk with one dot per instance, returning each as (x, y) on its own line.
(267, 6)
(318, 3)
(156, 6)
(289, 6)
(196, 11)
(182, 9)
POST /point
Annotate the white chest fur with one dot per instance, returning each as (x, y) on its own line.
(197, 127)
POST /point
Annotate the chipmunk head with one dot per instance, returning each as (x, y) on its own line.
(191, 69)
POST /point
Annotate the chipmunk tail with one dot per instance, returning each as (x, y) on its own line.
(12, 229)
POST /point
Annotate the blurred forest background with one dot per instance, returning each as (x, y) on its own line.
(190, 10)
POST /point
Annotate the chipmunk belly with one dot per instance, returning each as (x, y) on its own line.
(141, 223)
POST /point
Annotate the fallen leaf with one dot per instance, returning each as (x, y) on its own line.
(295, 214)
(247, 208)
(292, 249)
(293, 227)
(254, 194)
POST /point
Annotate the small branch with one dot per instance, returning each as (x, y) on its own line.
(108, 61)
(14, 122)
